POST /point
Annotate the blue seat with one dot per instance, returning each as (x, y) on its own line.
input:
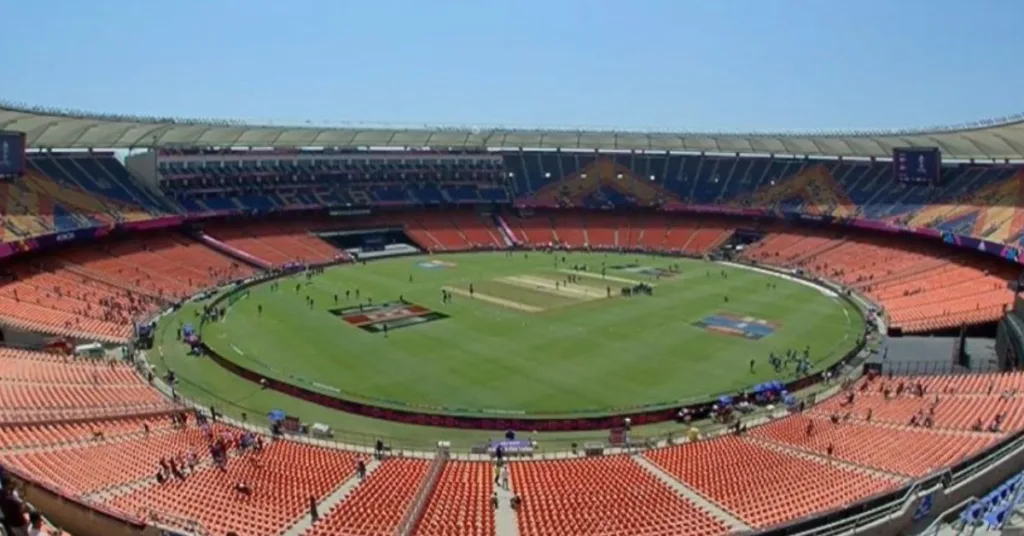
(995, 518)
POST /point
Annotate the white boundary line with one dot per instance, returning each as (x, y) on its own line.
(804, 282)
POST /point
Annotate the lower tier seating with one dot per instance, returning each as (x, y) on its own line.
(606, 495)
(766, 486)
(281, 480)
(900, 450)
(922, 286)
(377, 505)
(278, 242)
(461, 502)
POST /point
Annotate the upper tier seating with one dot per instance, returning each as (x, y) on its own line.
(101, 175)
(206, 183)
(976, 200)
(69, 191)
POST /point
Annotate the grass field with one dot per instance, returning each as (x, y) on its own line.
(519, 345)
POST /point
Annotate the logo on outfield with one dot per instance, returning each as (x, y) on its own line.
(394, 315)
(738, 326)
(435, 265)
(646, 270)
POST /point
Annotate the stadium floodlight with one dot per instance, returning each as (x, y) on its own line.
(511, 175)
(619, 176)
(583, 175)
(547, 174)
(651, 177)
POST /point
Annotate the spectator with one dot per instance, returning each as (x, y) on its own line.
(35, 525)
(313, 514)
(13, 511)
(503, 477)
(244, 489)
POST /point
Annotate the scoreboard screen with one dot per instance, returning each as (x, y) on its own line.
(917, 166)
(12, 154)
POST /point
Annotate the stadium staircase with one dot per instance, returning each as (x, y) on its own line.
(507, 235)
(332, 500)
(414, 514)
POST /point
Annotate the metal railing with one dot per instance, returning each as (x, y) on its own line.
(413, 514)
(38, 416)
(936, 368)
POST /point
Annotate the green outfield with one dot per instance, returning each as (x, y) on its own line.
(526, 342)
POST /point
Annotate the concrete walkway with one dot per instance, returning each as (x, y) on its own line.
(87, 442)
(733, 523)
(820, 458)
(325, 506)
(505, 521)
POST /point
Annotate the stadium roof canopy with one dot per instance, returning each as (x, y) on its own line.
(994, 139)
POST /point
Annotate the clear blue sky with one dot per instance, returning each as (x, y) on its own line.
(683, 64)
